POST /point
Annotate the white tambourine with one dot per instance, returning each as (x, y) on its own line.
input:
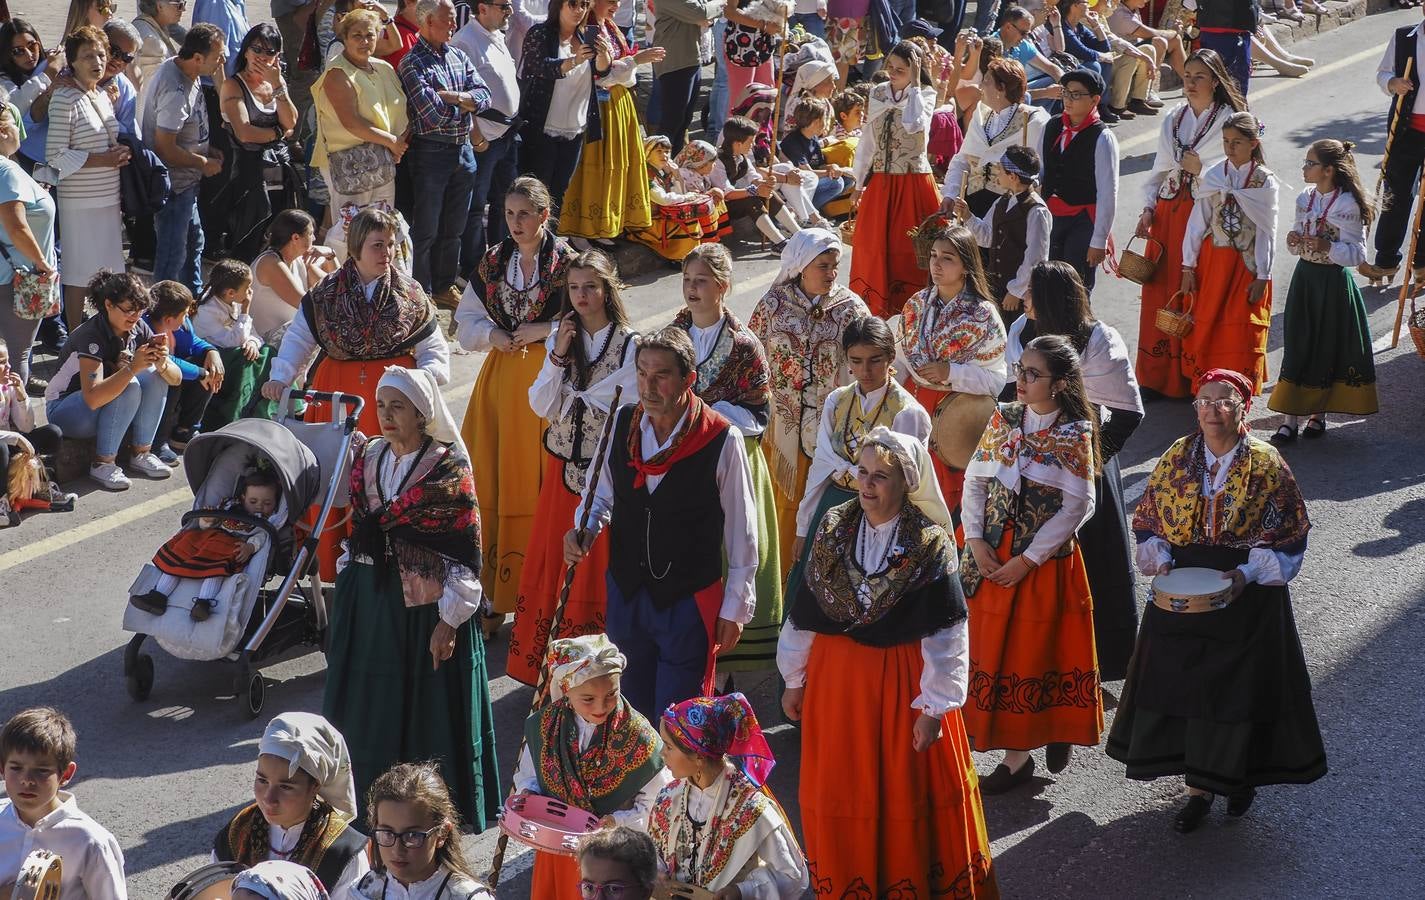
(39, 877)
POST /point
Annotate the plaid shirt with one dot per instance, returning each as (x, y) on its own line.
(424, 72)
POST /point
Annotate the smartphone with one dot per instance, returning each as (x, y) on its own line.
(591, 34)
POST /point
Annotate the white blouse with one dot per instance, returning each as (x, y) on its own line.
(635, 816)
(569, 108)
(551, 396)
(704, 342)
(441, 885)
(1254, 206)
(1174, 131)
(282, 841)
(1341, 213)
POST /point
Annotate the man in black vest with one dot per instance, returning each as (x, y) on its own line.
(1080, 176)
(1407, 149)
(675, 491)
(1226, 26)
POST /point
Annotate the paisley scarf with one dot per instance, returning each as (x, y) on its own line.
(623, 756)
(736, 370)
(347, 326)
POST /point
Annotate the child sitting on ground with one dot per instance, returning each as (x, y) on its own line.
(37, 750)
(849, 107)
(802, 147)
(24, 444)
(223, 319)
(199, 362)
(750, 192)
(215, 549)
(682, 219)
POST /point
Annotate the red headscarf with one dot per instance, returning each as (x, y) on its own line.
(1236, 380)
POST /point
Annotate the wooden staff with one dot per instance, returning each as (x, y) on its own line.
(1390, 138)
(541, 689)
(777, 84)
(1407, 286)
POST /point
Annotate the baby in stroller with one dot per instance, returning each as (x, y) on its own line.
(213, 548)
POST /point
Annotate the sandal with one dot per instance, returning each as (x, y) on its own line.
(1315, 427)
(1286, 434)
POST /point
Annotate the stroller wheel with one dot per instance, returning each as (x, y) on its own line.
(139, 681)
(252, 691)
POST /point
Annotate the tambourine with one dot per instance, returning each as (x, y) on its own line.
(1192, 590)
(211, 882)
(544, 823)
(40, 876)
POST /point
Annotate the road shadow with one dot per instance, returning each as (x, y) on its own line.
(1408, 523)
(1368, 128)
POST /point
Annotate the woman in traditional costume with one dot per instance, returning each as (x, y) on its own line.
(1189, 143)
(873, 400)
(588, 357)
(895, 191)
(875, 656)
(952, 339)
(1227, 259)
(508, 311)
(305, 803)
(732, 379)
(717, 826)
(800, 322)
(1000, 121)
(1221, 696)
(1327, 362)
(682, 218)
(1029, 487)
(590, 749)
(1060, 305)
(406, 676)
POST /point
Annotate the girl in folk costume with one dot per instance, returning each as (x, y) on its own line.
(999, 122)
(952, 338)
(1014, 234)
(1227, 259)
(1189, 143)
(875, 656)
(1059, 304)
(800, 322)
(682, 218)
(510, 306)
(894, 189)
(1327, 364)
(1222, 697)
(588, 357)
(305, 804)
(1028, 489)
(590, 749)
(733, 379)
(873, 400)
(717, 826)
(407, 677)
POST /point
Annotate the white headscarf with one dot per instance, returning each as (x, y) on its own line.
(311, 743)
(278, 879)
(811, 73)
(803, 247)
(421, 389)
(922, 487)
(573, 661)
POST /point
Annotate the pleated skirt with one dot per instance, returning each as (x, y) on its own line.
(1327, 363)
(1228, 332)
(1159, 364)
(757, 650)
(884, 271)
(609, 191)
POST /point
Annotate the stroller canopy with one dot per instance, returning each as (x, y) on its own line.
(295, 465)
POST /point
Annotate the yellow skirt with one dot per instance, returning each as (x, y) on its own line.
(787, 511)
(609, 191)
(504, 438)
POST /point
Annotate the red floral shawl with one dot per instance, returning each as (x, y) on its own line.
(350, 327)
(623, 756)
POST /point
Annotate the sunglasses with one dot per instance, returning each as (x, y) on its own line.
(32, 48)
(385, 837)
(121, 56)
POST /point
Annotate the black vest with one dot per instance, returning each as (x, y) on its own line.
(1404, 50)
(1070, 174)
(342, 851)
(1238, 15)
(669, 541)
(1011, 240)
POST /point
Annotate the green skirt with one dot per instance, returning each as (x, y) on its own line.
(1327, 364)
(241, 396)
(392, 707)
(757, 650)
(833, 496)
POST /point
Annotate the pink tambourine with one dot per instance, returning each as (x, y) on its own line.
(546, 824)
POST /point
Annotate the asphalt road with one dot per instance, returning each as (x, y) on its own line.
(165, 774)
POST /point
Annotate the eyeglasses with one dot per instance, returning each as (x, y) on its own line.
(603, 890)
(127, 309)
(181, 4)
(579, 4)
(1309, 163)
(1077, 95)
(1225, 405)
(385, 837)
(1029, 375)
(121, 56)
(30, 48)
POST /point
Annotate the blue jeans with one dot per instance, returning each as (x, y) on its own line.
(985, 13)
(179, 234)
(718, 99)
(812, 23)
(1235, 48)
(443, 177)
(140, 405)
(828, 189)
(495, 170)
(905, 11)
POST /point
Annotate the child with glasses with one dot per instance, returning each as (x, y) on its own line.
(619, 863)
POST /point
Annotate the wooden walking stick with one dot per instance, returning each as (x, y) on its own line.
(1390, 138)
(1407, 285)
(541, 688)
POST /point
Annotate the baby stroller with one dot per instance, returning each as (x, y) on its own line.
(253, 626)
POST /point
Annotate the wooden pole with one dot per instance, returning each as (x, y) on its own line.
(1407, 285)
(541, 689)
(1390, 138)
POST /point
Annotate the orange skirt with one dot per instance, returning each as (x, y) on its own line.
(884, 271)
(1033, 667)
(358, 377)
(1160, 357)
(543, 577)
(897, 822)
(1228, 331)
(554, 876)
(199, 553)
(787, 510)
(951, 479)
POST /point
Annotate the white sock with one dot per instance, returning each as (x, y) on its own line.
(769, 231)
(787, 221)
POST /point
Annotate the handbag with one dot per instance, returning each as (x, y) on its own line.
(36, 295)
(362, 168)
(748, 47)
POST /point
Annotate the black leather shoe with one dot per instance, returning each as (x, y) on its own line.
(1002, 779)
(1056, 757)
(1240, 802)
(152, 602)
(1142, 108)
(1191, 815)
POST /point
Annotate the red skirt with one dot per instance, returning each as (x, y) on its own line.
(1229, 331)
(951, 479)
(897, 822)
(884, 271)
(543, 577)
(554, 876)
(199, 553)
(1160, 357)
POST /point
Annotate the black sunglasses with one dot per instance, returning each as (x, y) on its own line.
(385, 837)
(116, 53)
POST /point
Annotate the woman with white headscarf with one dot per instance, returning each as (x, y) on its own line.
(589, 748)
(800, 322)
(304, 804)
(875, 654)
(278, 879)
(406, 676)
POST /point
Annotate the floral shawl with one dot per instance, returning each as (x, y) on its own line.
(1060, 456)
(736, 369)
(509, 308)
(1260, 506)
(347, 326)
(432, 525)
(718, 854)
(968, 331)
(623, 756)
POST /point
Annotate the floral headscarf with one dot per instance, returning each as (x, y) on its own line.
(695, 154)
(573, 661)
(652, 142)
(278, 879)
(721, 727)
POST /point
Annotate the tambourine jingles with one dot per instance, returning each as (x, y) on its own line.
(211, 882)
(957, 424)
(1192, 590)
(40, 876)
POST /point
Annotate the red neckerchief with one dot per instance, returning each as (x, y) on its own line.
(1057, 205)
(1071, 130)
(702, 425)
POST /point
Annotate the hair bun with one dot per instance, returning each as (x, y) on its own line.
(1348, 146)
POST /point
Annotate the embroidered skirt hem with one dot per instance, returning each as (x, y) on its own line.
(1327, 362)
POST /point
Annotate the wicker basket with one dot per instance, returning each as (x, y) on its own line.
(1175, 320)
(1417, 328)
(848, 229)
(1137, 267)
(923, 237)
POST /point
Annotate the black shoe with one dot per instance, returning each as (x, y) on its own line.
(202, 609)
(1240, 802)
(1191, 815)
(1142, 108)
(1286, 434)
(1002, 779)
(36, 387)
(1315, 427)
(1108, 116)
(1149, 395)
(153, 602)
(1124, 113)
(1056, 757)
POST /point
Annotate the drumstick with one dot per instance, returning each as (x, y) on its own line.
(541, 688)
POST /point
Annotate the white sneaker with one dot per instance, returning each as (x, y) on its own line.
(150, 466)
(110, 476)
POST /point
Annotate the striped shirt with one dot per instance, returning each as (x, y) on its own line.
(425, 71)
(81, 124)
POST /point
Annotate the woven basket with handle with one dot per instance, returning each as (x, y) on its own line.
(1140, 268)
(1417, 327)
(1175, 318)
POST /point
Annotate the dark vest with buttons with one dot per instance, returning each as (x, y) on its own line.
(1235, 15)
(1011, 241)
(1404, 50)
(1069, 174)
(668, 541)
